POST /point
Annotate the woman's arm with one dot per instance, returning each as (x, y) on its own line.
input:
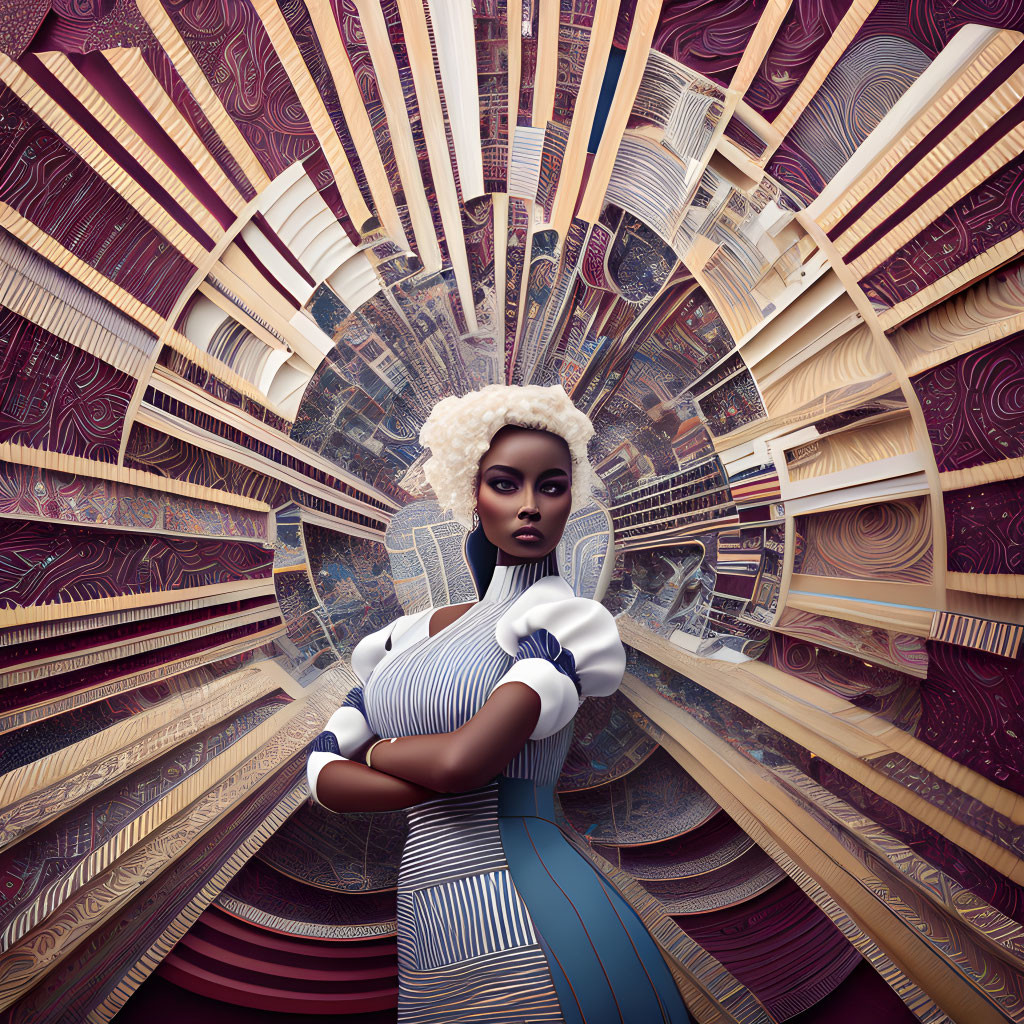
(350, 786)
(472, 755)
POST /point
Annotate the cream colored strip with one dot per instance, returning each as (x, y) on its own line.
(72, 609)
(935, 161)
(313, 105)
(356, 118)
(32, 300)
(545, 74)
(811, 853)
(421, 60)
(98, 159)
(371, 17)
(157, 419)
(187, 66)
(1008, 148)
(49, 248)
(136, 74)
(961, 67)
(826, 60)
(571, 173)
(198, 804)
(93, 101)
(36, 793)
(963, 276)
(60, 463)
(758, 45)
(988, 473)
(842, 734)
(992, 584)
(645, 21)
(514, 22)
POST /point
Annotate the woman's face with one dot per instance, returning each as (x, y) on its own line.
(524, 493)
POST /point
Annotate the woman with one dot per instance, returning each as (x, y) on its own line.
(499, 918)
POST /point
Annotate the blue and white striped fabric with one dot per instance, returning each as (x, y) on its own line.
(468, 945)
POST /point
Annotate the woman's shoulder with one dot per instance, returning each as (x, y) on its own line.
(553, 605)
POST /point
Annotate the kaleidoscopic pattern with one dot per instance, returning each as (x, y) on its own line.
(773, 250)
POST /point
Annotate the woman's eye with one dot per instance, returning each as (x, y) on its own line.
(553, 489)
(503, 486)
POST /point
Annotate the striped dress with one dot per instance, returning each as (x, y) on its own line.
(499, 918)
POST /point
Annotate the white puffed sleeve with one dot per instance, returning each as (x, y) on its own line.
(565, 649)
(347, 730)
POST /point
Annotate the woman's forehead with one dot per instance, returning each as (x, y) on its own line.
(526, 446)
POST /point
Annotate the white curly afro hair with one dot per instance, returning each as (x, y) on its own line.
(458, 433)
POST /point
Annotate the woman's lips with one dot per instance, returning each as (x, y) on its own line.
(528, 534)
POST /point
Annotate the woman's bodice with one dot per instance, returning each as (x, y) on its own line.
(435, 684)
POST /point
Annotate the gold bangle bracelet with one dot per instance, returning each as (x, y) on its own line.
(369, 751)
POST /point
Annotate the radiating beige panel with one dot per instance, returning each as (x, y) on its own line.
(393, 99)
(758, 45)
(964, 275)
(73, 609)
(49, 248)
(356, 118)
(989, 473)
(187, 66)
(60, 463)
(848, 449)
(422, 64)
(971, 76)
(1008, 148)
(849, 360)
(43, 790)
(645, 21)
(114, 874)
(313, 105)
(819, 70)
(546, 72)
(99, 160)
(83, 90)
(136, 74)
(832, 728)
(571, 173)
(989, 310)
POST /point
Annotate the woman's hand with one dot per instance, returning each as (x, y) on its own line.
(472, 755)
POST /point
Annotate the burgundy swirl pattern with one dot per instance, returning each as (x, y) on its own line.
(892, 694)
(887, 540)
(45, 562)
(859, 91)
(974, 404)
(56, 396)
(708, 37)
(973, 711)
(985, 528)
(982, 219)
(164, 455)
(43, 178)
(232, 47)
(778, 943)
(804, 32)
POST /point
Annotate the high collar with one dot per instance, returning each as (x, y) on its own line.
(511, 580)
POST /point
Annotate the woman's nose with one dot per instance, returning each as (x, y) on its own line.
(529, 511)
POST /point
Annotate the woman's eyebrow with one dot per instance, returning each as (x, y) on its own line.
(556, 471)
(504, 469)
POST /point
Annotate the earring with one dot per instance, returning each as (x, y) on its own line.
(476, 519)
